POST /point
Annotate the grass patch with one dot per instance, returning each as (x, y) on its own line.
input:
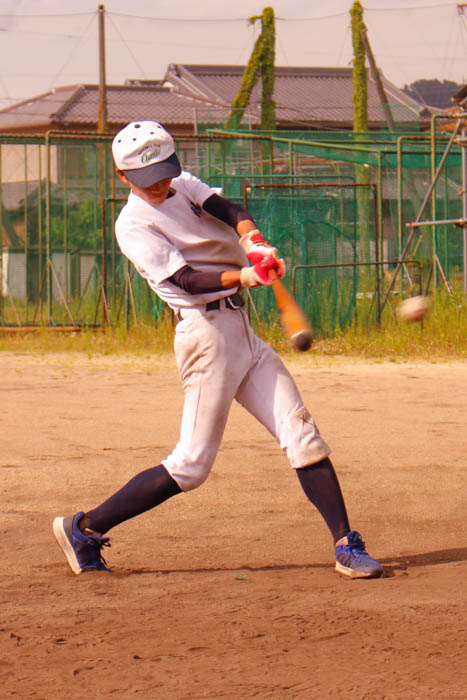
(141, 339)
(443, 335)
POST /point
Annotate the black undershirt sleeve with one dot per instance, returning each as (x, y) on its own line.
(199, 282)
(196, 281)
(228, 212)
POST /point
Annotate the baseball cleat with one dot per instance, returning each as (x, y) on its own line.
(82, 549)
(353, 560)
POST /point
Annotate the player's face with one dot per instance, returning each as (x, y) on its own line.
(155, 194)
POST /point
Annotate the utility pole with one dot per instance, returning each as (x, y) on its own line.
(379, 83)
(102, 110)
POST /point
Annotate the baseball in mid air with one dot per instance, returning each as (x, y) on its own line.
(414, 308)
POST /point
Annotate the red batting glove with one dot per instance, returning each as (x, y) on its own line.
(259, 273)
(255, 247)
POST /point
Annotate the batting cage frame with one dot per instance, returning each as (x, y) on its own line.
(57, 271)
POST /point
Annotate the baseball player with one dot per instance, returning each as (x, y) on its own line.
(197, 252)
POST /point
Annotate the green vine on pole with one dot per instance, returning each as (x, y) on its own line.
(359, 73)
(262, 60)
(360, 124)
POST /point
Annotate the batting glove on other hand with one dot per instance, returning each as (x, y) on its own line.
(256, 248)
(259, 273)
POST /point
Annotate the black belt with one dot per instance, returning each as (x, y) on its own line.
(234, 302)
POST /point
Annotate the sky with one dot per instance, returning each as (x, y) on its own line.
(51, 43)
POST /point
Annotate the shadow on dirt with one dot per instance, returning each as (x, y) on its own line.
(443, 556)
(392, 565)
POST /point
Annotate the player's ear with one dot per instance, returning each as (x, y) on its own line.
(122, 176)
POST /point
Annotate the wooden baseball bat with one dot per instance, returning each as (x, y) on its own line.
(292, 318)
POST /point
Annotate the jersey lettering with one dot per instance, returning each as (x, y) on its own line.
(195, 208)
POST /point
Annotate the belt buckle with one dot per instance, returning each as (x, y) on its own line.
(232, 304)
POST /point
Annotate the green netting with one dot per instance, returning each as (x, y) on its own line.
(315, 228)
(372, 148)
(336, 205)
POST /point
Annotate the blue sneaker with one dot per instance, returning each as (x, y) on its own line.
(82, 549)
(353, 560)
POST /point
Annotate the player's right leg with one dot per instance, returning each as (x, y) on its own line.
(81, 536)
(213, 357)
(211, 367)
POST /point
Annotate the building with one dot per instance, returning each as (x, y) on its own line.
(192, 97)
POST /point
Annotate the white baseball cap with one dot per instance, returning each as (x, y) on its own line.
(145, 152)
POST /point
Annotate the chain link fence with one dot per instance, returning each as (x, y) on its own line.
(336, 205)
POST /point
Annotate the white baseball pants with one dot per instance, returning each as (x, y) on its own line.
(220, 359)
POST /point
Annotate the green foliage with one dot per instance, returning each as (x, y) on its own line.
(268, 106)
(359, 73)
(81, 229)
(262, 59)
(360, 121)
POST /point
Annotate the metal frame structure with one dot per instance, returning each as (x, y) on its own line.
(461, 120)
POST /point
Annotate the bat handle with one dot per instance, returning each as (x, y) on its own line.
(272, 275)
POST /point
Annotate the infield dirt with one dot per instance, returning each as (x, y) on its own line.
(229, 591)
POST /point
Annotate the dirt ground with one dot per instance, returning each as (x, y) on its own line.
(230, 591)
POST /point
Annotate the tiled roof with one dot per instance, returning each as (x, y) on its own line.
(77, 106)
(317, 98)
(125, 103)
(303, 95)
(37, 110)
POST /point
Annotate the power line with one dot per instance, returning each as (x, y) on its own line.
(126, 44)
(179, 19)
(64, 14)
(73, 49)
(223, 19)
(408, 7)
(29, 32)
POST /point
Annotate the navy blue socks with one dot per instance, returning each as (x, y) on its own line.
(145, 491)
(321, 486)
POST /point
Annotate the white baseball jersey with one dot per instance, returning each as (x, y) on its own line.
(218, 355)
(159, 240)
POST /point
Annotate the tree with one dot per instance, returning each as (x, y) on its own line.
(436, 93)
(262, 59)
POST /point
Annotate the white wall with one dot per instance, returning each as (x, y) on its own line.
(13, 275)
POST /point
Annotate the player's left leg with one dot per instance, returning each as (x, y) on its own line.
(321, 486)
(271, 395)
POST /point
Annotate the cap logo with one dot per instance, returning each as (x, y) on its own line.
(149, 155)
